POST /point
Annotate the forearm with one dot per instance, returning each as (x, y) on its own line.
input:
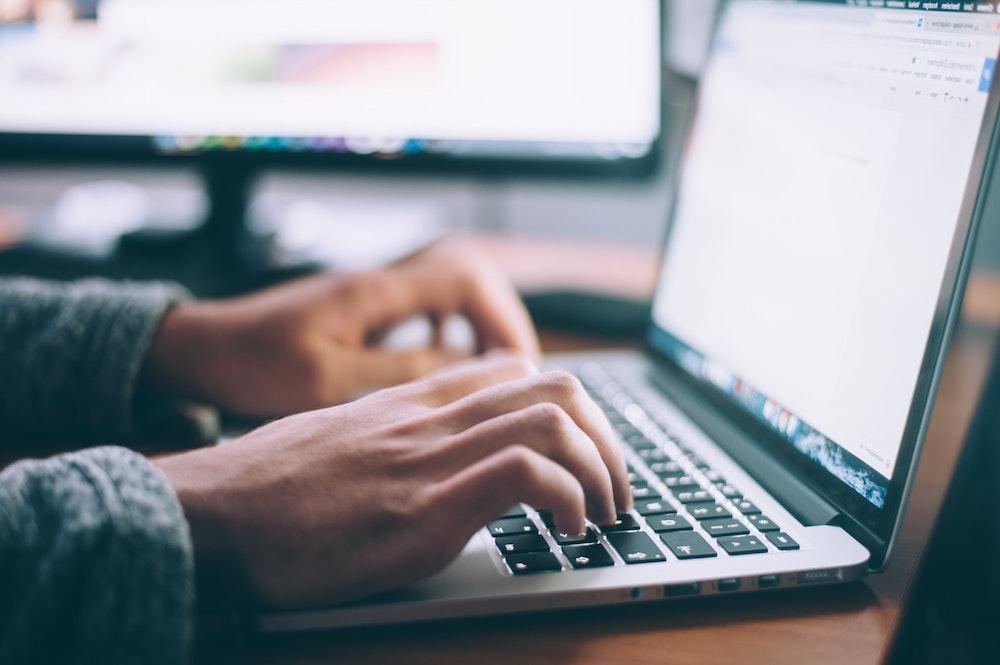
(71, 355)
(97, 564)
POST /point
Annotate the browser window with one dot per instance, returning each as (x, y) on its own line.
(816, 214)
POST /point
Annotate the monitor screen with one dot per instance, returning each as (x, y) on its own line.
(818, 207)
(550, 79)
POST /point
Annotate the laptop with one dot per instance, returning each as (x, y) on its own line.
(814, 265)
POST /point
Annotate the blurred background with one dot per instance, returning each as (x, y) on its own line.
(596, 171)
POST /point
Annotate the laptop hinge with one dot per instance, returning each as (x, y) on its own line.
(798, 498)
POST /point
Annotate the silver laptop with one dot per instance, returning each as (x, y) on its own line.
(824, 214)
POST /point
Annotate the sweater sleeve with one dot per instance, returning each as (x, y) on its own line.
(70, 355)
(96, 564)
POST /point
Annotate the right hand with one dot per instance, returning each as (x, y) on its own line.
(331, 505)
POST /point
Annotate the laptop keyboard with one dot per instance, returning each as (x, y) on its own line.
(684, 509)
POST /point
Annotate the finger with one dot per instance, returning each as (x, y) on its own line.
(548, 430)
(472, 375)
(482, 492)
(498, 314)
(375, 369)
(560, 388)
(456, 279)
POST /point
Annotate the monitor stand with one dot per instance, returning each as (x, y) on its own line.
(222, 256)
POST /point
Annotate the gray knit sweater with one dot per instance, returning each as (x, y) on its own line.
(95, 555)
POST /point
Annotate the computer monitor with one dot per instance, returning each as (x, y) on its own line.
(485, 87)
(498, 84)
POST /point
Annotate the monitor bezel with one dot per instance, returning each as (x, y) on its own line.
(874, 527)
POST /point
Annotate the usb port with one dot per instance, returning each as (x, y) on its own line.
(731, 584)
(768, 581)
(685, 589)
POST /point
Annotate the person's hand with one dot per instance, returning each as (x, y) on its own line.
(310, 343)
(330, 505)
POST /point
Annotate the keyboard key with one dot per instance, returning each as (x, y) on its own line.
(747, 507)
(636, 547)
(742, 545)
(687, 545)
(634, 477)
(622, 425)
(515, 511)
(538, 562)
(639, 442)
(730, 492)
(548, 519)
(625, 522)
(512, 526)
(666, 468)
(637, 483)
(652, 454)
(574, 539)
(522, 544)
(665, 523)
(724, 527)
(657, 506)
(644, 493)
(687, 452)
(714, 476)
(707, 510)
(782, 541)
(692, 496)
(698, 462)
(763, 523)
(588, 556)
(681, 483)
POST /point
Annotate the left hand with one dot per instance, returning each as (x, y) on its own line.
(308, 344)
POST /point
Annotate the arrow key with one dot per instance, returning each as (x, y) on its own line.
(737, 545)
(687, 545)
(588, 556)
(782, 541)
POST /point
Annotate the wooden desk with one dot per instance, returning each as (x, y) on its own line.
(848, 624)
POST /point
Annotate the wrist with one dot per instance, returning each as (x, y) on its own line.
(178, 363)
(196, 479)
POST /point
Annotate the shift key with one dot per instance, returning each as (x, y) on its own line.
(635, 547)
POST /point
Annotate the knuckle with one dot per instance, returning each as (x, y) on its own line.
(550, 419)
(352, 288)
(563, 384)
(520, 461)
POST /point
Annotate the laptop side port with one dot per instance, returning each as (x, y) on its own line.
(768, 581)
(821, 576)
(684, 589)
(729, 584)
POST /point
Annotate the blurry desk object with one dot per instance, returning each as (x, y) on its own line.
(847, 624)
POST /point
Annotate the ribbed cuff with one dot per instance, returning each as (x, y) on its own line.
(123, 320)
(98, 562)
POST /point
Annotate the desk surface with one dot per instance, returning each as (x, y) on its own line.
(852, 623)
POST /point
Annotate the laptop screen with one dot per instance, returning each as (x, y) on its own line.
(816, 214)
